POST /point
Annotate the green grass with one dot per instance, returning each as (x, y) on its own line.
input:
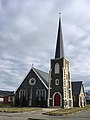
(5, 105)
(11, 109)
(17, 109)
(61, 112)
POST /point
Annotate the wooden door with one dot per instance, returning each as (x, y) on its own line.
(57, 100)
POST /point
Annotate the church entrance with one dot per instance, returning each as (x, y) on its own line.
(57, 99)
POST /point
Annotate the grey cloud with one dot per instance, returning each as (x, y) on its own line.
(28, 35)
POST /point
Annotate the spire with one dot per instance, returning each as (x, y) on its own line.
(59, 47)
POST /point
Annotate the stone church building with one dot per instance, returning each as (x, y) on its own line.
(53, 89)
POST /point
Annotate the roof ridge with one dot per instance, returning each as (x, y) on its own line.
(41, 76)
(40, 70)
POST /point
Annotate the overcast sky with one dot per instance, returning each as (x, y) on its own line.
(28, 32)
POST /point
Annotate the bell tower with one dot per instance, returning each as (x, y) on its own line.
(60, 91)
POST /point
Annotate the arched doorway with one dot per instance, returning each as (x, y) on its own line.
(57, 99)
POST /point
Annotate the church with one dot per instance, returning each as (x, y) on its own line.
(53, 89)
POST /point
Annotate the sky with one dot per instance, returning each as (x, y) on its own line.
(28, 32)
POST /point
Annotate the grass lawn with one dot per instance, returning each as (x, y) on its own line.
(10, 109)
(17, 109)
(61, 112)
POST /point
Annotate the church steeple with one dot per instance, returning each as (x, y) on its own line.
(59, 46)
(60, 91)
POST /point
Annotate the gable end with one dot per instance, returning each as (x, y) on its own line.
(40, 78)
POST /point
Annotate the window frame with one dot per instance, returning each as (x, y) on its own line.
(57, 69)
(57, 82)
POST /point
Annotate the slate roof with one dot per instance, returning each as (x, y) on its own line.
(6, 93)
(43, 75)
(76, 87)
(59, 46)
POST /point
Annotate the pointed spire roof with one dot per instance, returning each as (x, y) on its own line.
(59, 46)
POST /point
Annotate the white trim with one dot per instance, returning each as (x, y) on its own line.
(60, 99)
(65, 82)
(57, 82)
(40, 78)
(48, 101)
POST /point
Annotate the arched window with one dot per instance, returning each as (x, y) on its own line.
(56, 68)
(20, 93)
(44, 94)
(41, 94)
(38, 94)
(26, 94)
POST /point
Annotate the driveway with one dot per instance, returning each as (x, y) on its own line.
(83, 115)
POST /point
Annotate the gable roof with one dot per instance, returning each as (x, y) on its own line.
(76, 87)
(43, 76)
(6, 93)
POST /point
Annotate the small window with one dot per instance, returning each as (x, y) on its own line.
(57, 82)
(56, 68)
(32, 81)
(10, 99)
